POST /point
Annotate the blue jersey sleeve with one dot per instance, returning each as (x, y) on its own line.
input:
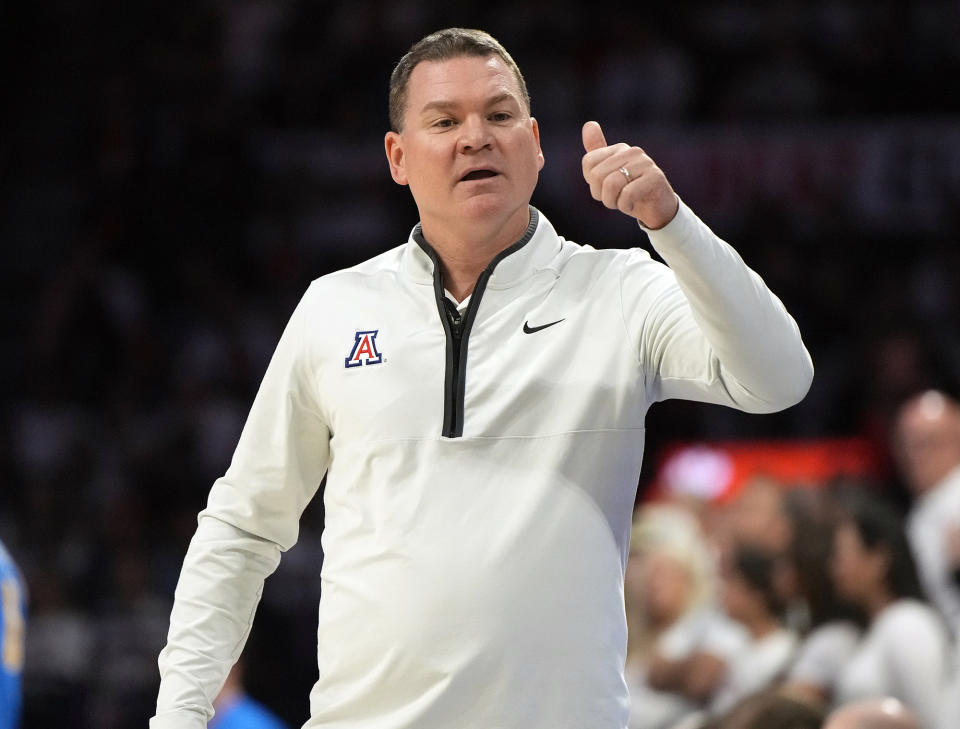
(246, 713)
(12, 631)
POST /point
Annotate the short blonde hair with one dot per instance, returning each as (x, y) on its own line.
(442, 46)
(672, 530)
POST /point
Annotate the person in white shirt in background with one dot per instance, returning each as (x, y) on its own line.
(669, 594)
(927, 448)
(904, 652)
(750, 597)
(791, 524)
(828, 628)
(690, 659)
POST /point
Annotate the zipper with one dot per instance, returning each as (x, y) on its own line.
(457, 327)
(453, 417)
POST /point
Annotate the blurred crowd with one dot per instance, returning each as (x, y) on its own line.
(176, 173)
(795, 600)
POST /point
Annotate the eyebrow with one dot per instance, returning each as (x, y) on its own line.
(445, 104)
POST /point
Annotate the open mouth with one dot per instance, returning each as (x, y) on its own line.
(478, 175)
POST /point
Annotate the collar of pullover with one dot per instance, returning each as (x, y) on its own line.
(531, 253)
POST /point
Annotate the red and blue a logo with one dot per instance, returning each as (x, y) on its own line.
(364, 350)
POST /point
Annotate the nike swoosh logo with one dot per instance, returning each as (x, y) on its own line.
(527, 329)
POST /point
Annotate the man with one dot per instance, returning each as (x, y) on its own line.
(927, 445)
(13, 611)
(476, 398)
(872, 714)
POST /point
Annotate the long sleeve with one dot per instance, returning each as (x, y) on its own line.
(252, 515)
(708, 327)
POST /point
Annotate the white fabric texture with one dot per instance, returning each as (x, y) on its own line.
(904, 654)
(927, 527)
(654, 709)
(472, 581)
(755, 667)
(823, 653)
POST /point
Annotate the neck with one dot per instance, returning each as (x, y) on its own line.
(875, 603)
(466, 250)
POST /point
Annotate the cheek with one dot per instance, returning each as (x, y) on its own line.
(677, 595)
(425, 178)
(730, 598)
(527, 150)
(426, 155)
(422, 166)
(843, 570)
(838, 562)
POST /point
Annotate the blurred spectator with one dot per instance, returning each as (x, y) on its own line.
(759, 516)
(235, 709)
(873, 714)
(13, 616)
(667, 589)
(900, 360)
(904, 652)
(927, 446)
(750, 597)
(691, 658)
(829, 632)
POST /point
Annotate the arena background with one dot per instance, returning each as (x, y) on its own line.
(174, 174)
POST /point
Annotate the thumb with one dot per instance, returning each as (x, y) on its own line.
(593, 136)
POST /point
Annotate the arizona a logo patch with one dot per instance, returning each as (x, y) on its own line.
(364, 350)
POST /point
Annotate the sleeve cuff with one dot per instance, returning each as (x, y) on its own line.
(684, 234)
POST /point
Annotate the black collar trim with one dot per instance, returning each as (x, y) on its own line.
(527, 235)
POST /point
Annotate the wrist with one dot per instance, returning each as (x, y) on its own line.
(665, 214)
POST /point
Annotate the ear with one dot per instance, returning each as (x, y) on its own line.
(535, 128)
(393, 145)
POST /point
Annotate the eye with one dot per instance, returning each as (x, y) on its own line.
(445, 123)
(500, 116)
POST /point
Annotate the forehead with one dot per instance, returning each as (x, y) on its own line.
(458, 80)
(922, 422)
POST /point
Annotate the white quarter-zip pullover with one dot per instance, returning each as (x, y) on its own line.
(479, 488)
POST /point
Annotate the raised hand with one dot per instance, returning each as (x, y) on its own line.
(624, 178)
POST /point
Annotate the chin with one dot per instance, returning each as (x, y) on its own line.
(494, 203)
(485, 206)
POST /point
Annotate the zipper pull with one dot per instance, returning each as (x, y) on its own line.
(454, 317)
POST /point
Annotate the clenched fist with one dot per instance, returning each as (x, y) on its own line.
(643, 192)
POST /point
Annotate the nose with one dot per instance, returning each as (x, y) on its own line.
(475, 135)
